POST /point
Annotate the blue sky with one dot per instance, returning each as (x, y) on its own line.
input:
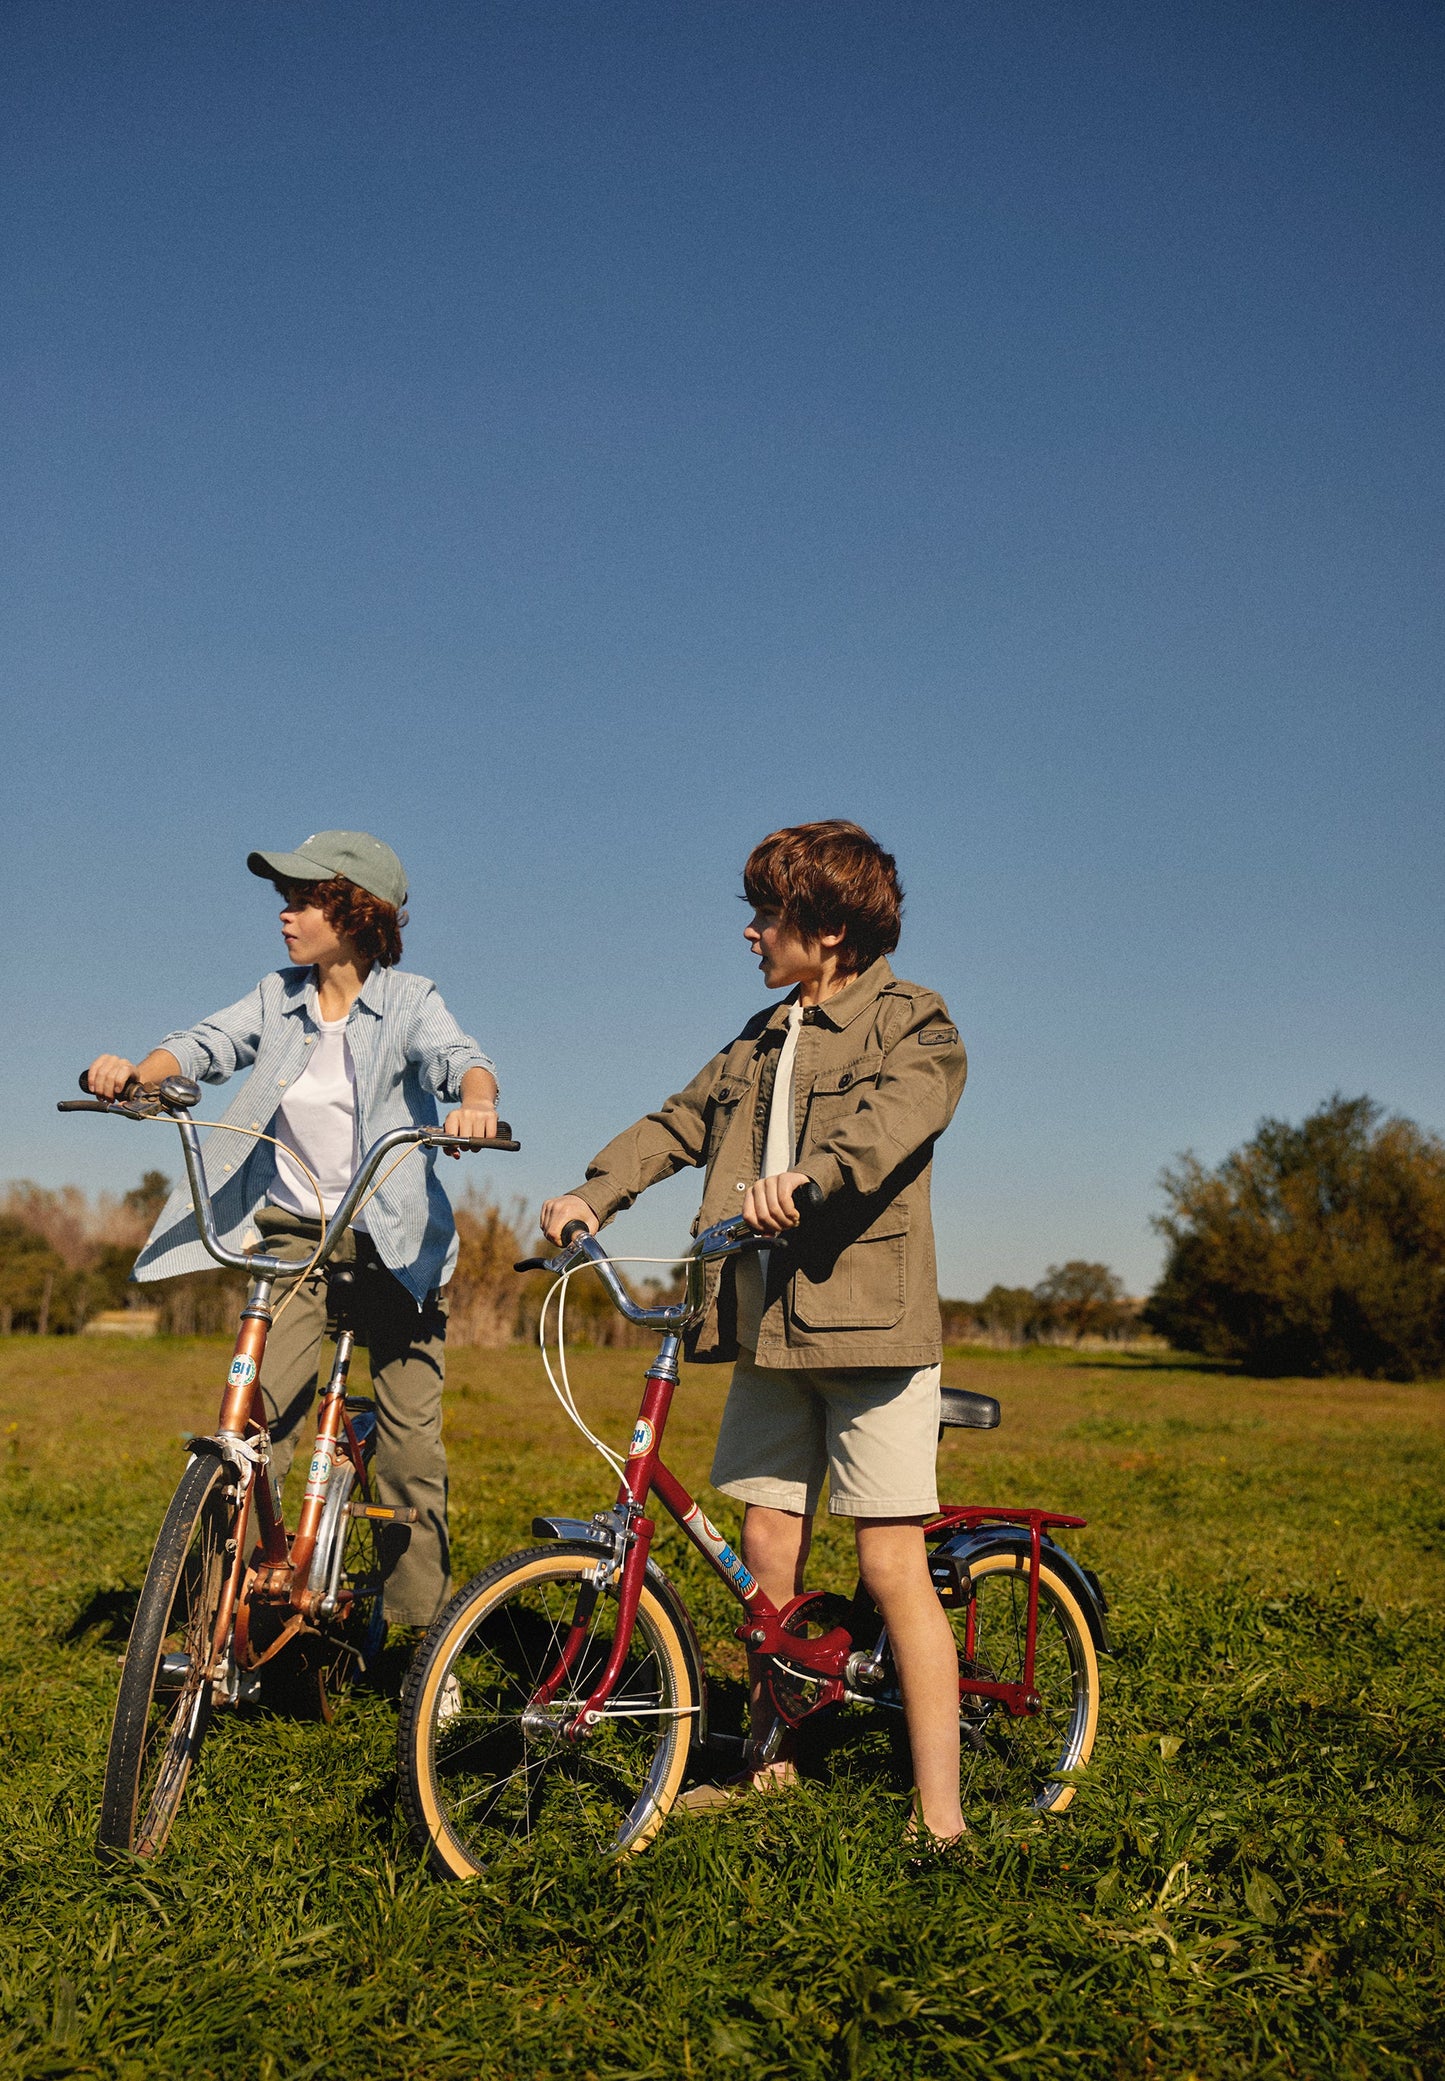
(573, 440)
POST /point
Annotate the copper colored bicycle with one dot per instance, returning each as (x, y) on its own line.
(557, 1700)
(229, 1590)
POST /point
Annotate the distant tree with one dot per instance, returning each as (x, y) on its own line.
(1083, 1300)
(1007, 1314)
(960, 1321)
(36, 1284)
(1312, 1249)
(145, 1200)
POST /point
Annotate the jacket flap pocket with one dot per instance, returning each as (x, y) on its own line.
(863, 1069)
(893, 1221)
(866, 1288)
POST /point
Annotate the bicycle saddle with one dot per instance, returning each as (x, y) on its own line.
(969, 1412)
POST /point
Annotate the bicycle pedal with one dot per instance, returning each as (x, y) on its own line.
(381, 1514)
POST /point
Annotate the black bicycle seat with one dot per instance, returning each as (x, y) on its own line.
(969, 1412)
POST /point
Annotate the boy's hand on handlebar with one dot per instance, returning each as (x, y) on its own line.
(471, 1124)
(768, 1207)
(108, 1076)
(556, 1213)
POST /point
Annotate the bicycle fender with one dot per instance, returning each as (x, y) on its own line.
(996, 1539)
(580, 1531)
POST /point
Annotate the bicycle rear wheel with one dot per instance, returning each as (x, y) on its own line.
(483, 1768)
(1022, 1762)
(164, 1706)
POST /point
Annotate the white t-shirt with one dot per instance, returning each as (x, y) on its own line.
(317, 1118)
(779, 1152)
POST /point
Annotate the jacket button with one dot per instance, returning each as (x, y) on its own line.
(844, 1081)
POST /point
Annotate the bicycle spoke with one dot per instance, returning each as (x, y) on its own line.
(507, 1763)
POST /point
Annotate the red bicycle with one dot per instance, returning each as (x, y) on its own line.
(228, 1589)
(558, 1697)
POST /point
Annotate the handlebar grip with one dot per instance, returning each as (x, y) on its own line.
(503, 1139)
(572, 1231)
(132, 1087)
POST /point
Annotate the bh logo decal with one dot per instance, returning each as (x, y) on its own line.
(243, 1372)
(642, 1438)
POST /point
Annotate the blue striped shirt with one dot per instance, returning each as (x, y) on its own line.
(408, 1052)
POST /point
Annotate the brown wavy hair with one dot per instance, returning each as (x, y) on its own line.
(373, 927)
(829, 877)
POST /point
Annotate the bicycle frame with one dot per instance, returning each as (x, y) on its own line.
(281, 1576)
(833, 1658)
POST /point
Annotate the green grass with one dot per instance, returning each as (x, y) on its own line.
(1248, 1883)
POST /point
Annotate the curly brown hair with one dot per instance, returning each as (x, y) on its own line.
(829, 877)
(373, 927)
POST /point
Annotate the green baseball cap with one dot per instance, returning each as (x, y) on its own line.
(356, 854)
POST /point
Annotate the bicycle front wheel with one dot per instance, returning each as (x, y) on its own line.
(485, 1765)
(164, 1706)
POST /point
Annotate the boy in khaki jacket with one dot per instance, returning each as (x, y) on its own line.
(835, 1343)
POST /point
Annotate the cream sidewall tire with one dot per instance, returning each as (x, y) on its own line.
(546, 1567)
(1015, 1563)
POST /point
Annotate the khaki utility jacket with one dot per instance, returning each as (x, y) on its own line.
(878, 1071)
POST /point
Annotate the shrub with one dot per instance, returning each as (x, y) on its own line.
(37, 1287)
(485, 1293)
(1311, 1249)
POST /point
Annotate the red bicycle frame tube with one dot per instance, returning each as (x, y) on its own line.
(645, 1474)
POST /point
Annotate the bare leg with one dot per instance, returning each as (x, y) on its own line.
(775, 1547)
(893, 1562)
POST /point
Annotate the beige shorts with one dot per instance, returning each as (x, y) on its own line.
(873, 1430)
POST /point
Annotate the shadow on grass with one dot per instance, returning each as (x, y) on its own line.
(104, 1620)
(1080, 1359)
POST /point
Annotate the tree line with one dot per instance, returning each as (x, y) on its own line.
(65, 1260)
(1317, 1248)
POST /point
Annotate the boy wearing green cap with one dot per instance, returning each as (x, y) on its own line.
(342, 1046)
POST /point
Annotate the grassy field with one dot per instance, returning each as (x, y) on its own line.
(1249, 1884)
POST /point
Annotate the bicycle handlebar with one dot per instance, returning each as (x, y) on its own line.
(172, 1099)
(724, 1239)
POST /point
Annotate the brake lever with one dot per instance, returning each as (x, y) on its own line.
(573, 1232)
(129, 1109)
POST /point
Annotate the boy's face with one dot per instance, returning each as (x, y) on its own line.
(309, 934)
(783, 957)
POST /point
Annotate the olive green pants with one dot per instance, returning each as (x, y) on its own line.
(407, 1345)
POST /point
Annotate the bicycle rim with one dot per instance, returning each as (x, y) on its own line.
(1023, 1762)
(164, 1705)
(484, 1770)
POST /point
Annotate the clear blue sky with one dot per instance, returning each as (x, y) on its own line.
(573, 439)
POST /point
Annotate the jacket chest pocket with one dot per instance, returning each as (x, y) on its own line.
(839, 1091)
(731, 1104)
(867, 1288)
